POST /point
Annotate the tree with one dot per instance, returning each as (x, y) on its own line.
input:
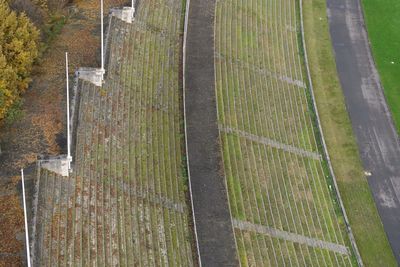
(18, 51)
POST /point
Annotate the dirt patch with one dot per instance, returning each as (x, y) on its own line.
(10, 261)
(12, 223)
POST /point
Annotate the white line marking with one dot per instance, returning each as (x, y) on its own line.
(269, 142)
(262, 71)
(28, 254)
(312, 242)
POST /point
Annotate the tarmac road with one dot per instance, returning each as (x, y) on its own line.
(376, 136)
(212, 219)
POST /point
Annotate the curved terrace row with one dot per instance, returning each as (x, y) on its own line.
(260, 184)
(124, 204)
(284, 209)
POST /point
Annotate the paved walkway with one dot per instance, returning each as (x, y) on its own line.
(376, 136)
(213, 226)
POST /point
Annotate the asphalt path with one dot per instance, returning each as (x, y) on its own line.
(376, 136)
(212, 219)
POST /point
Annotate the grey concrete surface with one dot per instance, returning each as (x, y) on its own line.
(212, 219)
(377, 139)
(125, 14)
(57, 164)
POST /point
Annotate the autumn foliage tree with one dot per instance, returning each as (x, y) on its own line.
(18, 50)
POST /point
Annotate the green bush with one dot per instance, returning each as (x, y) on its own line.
(15, 112)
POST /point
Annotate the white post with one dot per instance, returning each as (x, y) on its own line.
(69, 158)
(132, 4)
(28, 254)
(102, 40)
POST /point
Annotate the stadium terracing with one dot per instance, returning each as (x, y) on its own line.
(201, 146)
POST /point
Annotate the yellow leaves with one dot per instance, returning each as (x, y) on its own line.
(41, 3)
(18, 50)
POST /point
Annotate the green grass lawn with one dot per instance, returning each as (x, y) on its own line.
(383, 25)
(363, 216)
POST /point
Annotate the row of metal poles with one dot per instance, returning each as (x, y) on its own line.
(69, 157)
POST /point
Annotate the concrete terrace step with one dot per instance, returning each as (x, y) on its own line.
(51, 217)
(277, 181)
(124, 204)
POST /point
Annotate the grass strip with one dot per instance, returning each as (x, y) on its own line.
(359, 204)
(383, 24)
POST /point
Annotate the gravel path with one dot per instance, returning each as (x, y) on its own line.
(214, 234)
